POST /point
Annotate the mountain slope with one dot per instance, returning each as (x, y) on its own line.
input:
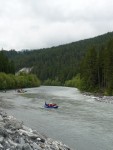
(61, 62)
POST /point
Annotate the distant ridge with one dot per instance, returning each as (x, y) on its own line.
(105, 37)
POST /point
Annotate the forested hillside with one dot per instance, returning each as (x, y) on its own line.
(59, 63)
(96, 71)
(6, 65)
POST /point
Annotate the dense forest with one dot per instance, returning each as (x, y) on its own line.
(8, 79)
(96, 71)
(58, 63)
(6, 66)
(86, 64)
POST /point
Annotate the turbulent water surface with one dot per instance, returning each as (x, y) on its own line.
(80, 122)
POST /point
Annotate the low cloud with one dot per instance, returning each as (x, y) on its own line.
(26, 24)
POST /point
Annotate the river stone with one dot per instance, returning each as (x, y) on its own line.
(3, 114)
(5, 144)
(15, 139)
(42, 145)
(12, 143)
(53, 147)
(26, 147)
(19, 147)
(3, 132)
(26, 128)
(39, 135)
(10, 131)
(1, 119)
(67, 148)
(42, 140)
(29, 134)
(38, 139)
(1, 147)
(1, 139)
(21, 141)
(35, 146)
(13, 124)
(2, 124)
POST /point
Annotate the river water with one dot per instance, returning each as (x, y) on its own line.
(80, 122)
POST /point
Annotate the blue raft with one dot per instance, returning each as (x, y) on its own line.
(50, 105)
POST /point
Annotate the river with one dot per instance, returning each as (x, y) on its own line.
(80, 122)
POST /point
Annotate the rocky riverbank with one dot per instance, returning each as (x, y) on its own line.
(105, 99)
(14, 135)
(100, 98)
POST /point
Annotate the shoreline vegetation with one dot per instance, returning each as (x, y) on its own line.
(23, 80)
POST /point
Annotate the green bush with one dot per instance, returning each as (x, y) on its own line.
(75, 82)
(52, 82)
(10, 81)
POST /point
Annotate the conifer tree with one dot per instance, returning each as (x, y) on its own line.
(89, 69)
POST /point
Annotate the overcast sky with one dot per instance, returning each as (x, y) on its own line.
(31, 24)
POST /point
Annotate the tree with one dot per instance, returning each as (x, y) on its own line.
(88, 69)
(108, 66)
